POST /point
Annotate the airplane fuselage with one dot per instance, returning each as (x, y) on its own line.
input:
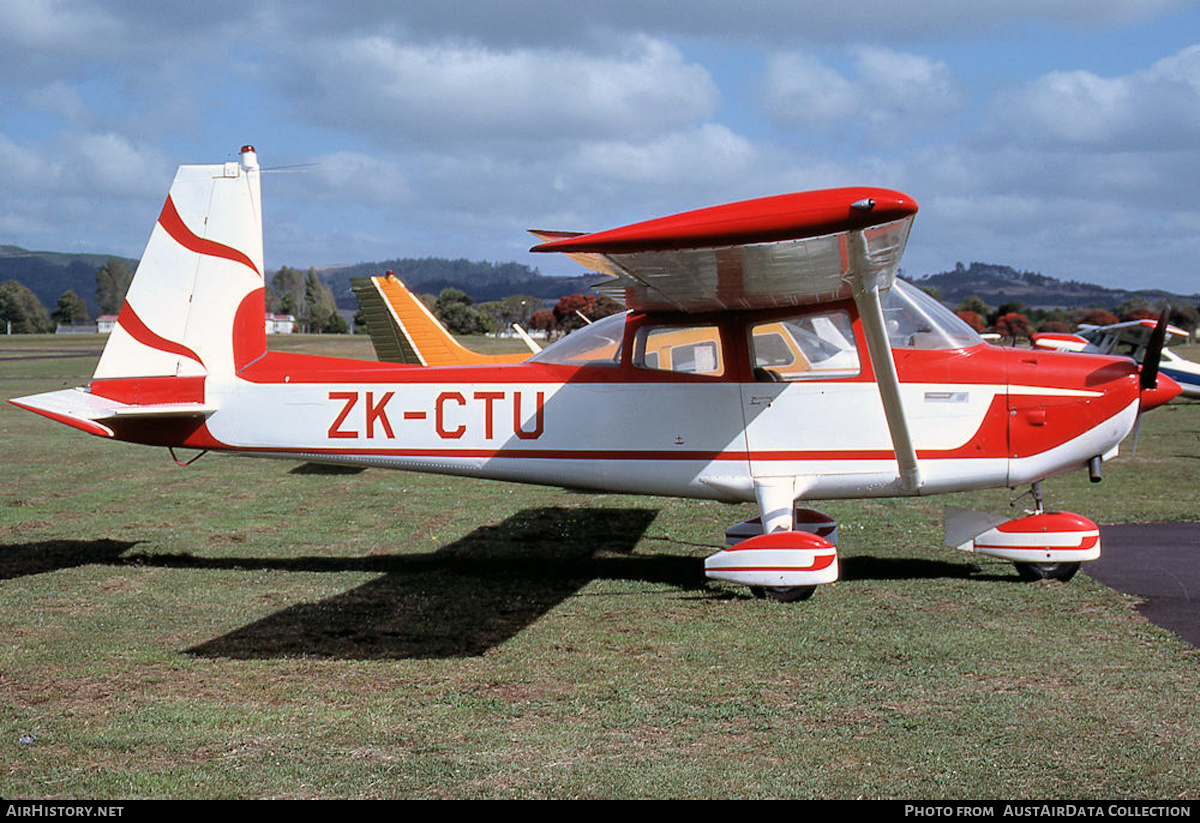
(981, 417)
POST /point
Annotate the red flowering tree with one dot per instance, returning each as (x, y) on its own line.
(1056, 327)
(1140, 314)
(972, 319)
(1012, 326)
(1098, 317)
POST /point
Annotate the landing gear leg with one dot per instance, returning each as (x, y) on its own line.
(1035, 492)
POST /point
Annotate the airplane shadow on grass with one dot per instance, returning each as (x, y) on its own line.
(462, 599)
(25, 559)
(458, 601)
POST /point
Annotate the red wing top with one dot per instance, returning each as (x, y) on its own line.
(785, 250)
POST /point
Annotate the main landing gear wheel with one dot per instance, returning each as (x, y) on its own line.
(1030, 572)
(783, 594)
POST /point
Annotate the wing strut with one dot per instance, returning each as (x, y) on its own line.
(870, 310)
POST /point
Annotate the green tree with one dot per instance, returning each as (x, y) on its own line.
(287, 292)
(70, 310)
(319, 305)
(459, 314)
(112, 282)
(976, 304)
(307, 298)
(21, 308)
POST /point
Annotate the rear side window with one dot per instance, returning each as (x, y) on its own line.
(684, 349)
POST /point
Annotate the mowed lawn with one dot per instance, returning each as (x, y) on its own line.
(254, 628)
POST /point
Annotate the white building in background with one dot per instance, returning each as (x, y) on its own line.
(280, 323)
(276, 323)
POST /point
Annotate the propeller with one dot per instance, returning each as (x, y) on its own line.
(1149, 377)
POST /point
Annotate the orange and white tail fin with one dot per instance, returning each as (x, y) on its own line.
(403, 330)
(196, 304)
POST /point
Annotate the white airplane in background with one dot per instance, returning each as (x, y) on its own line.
(1131, 338)
(768, 355)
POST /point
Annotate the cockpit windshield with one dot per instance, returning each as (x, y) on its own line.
(598, 344)
(915, 320)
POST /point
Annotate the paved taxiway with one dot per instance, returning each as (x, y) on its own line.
(1159, 562)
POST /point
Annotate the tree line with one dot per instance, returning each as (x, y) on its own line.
(460, 314)
(307, 298)
(1013, 321)
(22, 313)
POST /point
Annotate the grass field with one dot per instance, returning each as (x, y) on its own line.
(250, 628)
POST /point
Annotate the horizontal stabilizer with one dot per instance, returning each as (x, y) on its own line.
(89, 412)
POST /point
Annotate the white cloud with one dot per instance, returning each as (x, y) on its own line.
(800, 90)
(442, 92)
(361, 178)
(763, 22)
(55, 25)
(710, 153)
(446, 128)
(888, 91)
(1156, 109)
(98, 186)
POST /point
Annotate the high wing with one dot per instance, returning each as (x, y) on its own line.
(786, 250)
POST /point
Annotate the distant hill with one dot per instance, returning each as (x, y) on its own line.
(996, 284)
(48, 274)
(482, 280)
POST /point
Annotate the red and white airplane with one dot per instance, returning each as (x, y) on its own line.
(768, 355)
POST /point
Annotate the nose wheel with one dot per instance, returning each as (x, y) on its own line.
(1032, 572)
(783, 594)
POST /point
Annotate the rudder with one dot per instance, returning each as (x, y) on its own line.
(196, 305)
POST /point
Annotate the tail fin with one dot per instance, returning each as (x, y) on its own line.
(196, 304)
(403, 330)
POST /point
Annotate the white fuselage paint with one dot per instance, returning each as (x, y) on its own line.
(698, 439)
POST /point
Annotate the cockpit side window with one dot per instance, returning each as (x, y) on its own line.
(812, 346)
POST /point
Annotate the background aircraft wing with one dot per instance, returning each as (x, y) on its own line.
(787, 250)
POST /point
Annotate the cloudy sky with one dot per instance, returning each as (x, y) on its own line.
(1061, 136)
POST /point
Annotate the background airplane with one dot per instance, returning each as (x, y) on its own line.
(404, 330)
(768, 355)
(1131, 338)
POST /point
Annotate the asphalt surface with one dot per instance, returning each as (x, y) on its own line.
(1159, 562)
